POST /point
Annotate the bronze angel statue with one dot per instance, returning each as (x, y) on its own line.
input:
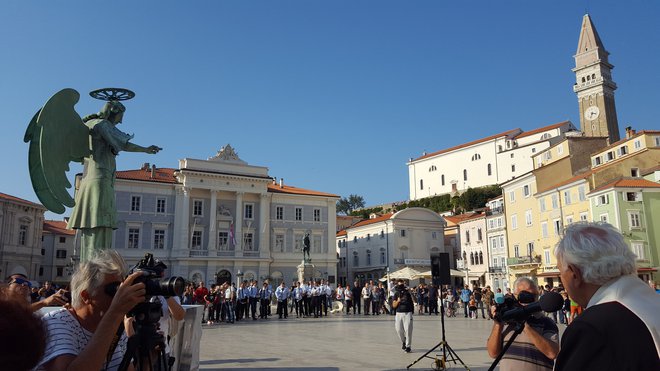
(58, 136)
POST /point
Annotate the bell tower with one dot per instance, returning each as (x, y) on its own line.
(594, 86)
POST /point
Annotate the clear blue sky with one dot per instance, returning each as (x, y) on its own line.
(333, 96)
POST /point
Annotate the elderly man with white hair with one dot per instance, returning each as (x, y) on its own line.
(619, 330)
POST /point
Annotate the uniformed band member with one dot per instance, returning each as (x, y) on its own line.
(298, 300)
(315, 292)
(241, 301)
(264, 299)
(323, 298)
(282, 294)
(253, 293)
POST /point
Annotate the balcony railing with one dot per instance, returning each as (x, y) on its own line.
(522, 260)
(199, 253)
(399, 261)
(496, 270)
(251, 253)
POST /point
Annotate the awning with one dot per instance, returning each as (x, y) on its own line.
(647, 269)
(548, 274)
(452, 272)
(405, 273)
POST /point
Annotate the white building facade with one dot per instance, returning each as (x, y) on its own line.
(496, 239)
(368, 249)
(487, 161)
(474, 249)
(221, 219)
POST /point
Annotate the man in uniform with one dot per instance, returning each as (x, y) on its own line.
(281, 294)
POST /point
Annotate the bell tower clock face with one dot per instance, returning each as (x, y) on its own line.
(592, 113)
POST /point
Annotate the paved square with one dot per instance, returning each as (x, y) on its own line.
(338, 342)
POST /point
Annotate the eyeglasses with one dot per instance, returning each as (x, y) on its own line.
(20, 281)
(111, 288)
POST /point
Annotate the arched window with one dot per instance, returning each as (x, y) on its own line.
(465, 257)
(421, 184)
(588, 78)
(464, 174)
(471, 258)
(593, 76)
(433, 168)
(490, 170)
(442, 179)
(476, 157)
(481, 258)
(545, 136)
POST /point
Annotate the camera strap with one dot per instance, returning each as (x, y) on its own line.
(113, 345)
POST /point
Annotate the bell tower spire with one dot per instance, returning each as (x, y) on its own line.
(594, 86)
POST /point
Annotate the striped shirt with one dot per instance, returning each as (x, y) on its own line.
(523, 355)
(67, 336)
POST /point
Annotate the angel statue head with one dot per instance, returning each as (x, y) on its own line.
(113, 111)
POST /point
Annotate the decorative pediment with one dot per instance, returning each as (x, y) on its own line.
(227, 153)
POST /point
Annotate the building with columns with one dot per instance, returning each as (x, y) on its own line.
(221, 219)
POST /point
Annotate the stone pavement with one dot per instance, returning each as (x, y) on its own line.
(339, 342)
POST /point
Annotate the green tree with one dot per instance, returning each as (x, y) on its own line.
(346, 205)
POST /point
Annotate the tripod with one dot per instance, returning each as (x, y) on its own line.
(441, 364)
(145, 340)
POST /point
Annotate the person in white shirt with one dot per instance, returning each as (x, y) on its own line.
(348, 298)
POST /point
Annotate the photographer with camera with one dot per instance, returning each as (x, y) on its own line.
(88, 336)
(402, 302)
(538, 344)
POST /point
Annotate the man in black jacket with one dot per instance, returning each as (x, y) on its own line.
(356, 290)
(403, 322)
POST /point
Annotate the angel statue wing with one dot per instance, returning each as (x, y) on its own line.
(57, 136)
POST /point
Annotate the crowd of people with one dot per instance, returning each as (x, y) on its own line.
(611, 314)
(225, 303)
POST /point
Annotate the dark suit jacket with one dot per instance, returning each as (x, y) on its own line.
(607, 337)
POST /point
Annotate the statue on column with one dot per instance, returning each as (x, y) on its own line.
(57, 136)
(306, 249)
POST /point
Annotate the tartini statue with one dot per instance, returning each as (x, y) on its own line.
(57, 136)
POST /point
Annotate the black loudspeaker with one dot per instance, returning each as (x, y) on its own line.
(440, 274)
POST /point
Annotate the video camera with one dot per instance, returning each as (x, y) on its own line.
(510, 310)
(504, 304)
(154, 268)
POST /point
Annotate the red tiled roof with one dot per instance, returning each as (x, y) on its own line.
(7, 197)
(342, 233)
(372, 221)
(57, 227)
(506, 133)
(460, 217)
(275, 188)
(472, 217)
(539, 130)
(628, 183)
(162, 175)
(166, 175)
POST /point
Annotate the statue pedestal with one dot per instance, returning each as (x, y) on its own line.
(306, 271)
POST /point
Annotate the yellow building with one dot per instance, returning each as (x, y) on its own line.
(521, 213)
(559, 206)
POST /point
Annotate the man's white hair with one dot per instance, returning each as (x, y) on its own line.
(598, 250)
(529, 281)
(90, 275)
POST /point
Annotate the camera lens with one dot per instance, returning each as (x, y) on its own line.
(173, 286)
